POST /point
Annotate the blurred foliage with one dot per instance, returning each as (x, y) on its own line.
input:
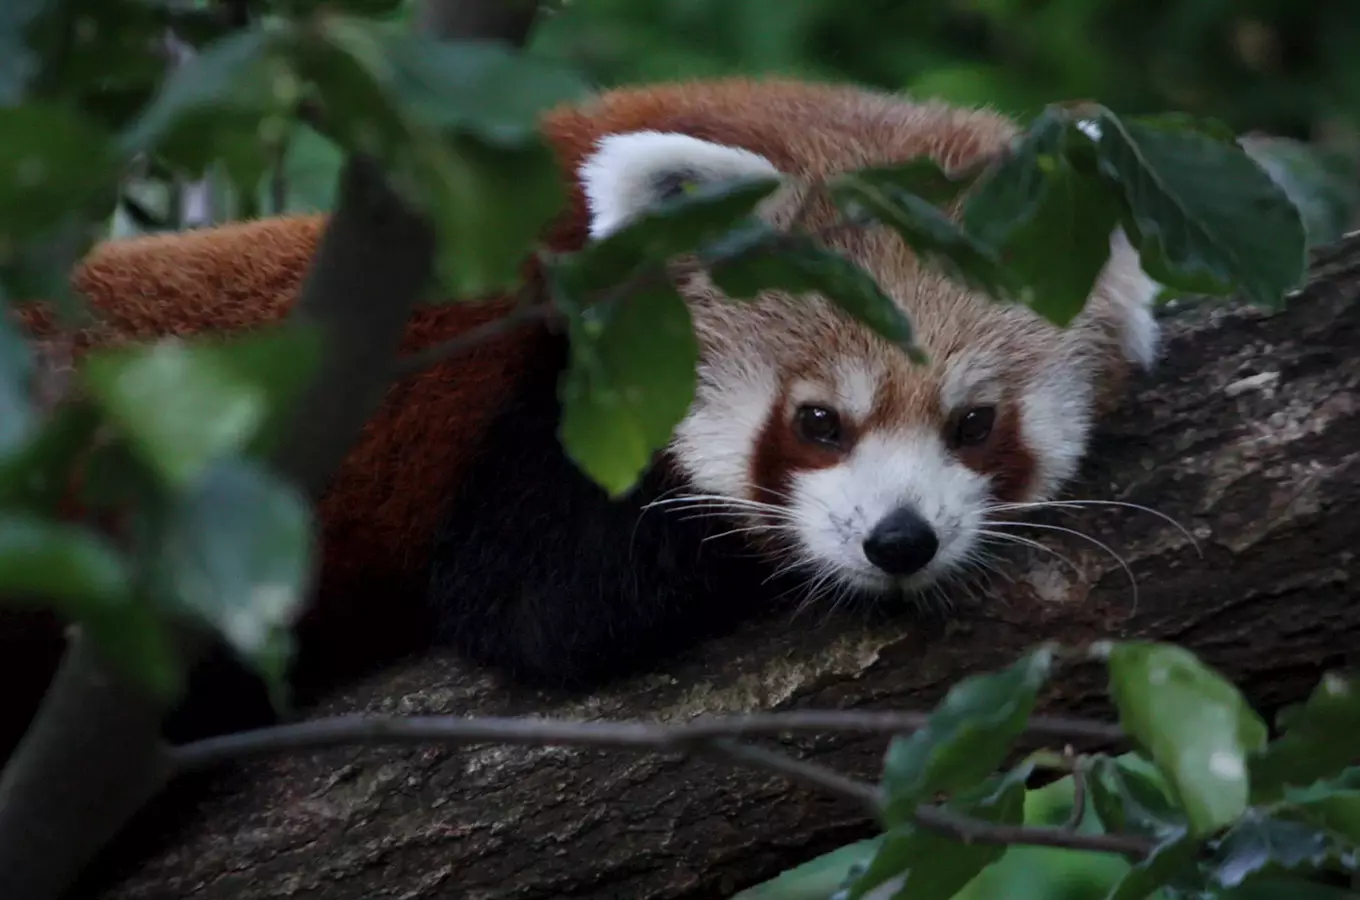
(1279, 68)
(1285, 67)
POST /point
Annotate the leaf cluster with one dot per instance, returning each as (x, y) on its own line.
(1204, 806)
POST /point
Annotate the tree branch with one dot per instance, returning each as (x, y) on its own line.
(713, 736)
(362, 730)
(90, 759)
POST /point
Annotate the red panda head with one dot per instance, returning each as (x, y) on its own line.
(832, 450)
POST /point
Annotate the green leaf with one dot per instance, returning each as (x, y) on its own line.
(1333, 804)
(482, 88)
(1129, 798)
(1048, 223)
(83, 578)
(64, 566)
(708, 212)
(755, 259)
(1323, 186)
(1173, 858)
(1011, 192)
(1323, 738)
(185, 405)
(231, 75)
(933, 236)
(1258, 843)
(38, 266)
(489, 207)
(921, 176)
(1204, 216)
(36, 474)
(967, 736)
(52, 160)
(139, 644)
(234, 553)
(484, 176)
(1266, 887)
(816, 879)
(1194, 723)
(934, 866)
(630, 382)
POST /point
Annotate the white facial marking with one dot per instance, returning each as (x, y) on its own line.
(837, 507)
(856, 386)
(713, 443)
(621, 177)
(1055, 422)
(970, 378)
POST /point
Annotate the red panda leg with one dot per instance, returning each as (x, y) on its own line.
(537, 573)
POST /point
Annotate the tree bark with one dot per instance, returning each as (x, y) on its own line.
(1248, 435)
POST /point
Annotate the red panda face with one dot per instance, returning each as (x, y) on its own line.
(831, 450)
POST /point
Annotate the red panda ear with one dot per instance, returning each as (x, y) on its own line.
(1132, 293)
(628, 172)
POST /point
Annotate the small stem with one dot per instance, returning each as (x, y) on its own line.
(434, 354)
(1078, 798)
(810, 774)
(969, 830)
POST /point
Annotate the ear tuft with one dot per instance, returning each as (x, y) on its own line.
(629, 172)
(1134, 293)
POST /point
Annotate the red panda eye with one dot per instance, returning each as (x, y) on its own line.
(818, 425)
(974, 426)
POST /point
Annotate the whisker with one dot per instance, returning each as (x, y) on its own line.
(748, 529)
(1029, 542)
(1128, 570)
(1061, 504)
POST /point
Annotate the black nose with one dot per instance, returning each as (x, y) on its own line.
(902, 543)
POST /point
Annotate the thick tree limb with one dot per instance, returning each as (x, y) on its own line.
(1249, 435)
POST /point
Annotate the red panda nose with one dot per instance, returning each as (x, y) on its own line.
(901, 543)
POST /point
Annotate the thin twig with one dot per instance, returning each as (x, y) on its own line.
(709, 735)
(529, 308)
(810, 774)
(358, 730)
(976, 831)
(514, 320)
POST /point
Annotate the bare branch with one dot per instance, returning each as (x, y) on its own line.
(361, 730)
(708, 735)
(101, 736)
(529, 309)
(814, 776)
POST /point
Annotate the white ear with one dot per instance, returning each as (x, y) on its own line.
(629, 172)
(1134, 293)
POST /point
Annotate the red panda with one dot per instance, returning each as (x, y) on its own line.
(815, 455)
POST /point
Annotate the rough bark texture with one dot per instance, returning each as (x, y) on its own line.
(1248, 435)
